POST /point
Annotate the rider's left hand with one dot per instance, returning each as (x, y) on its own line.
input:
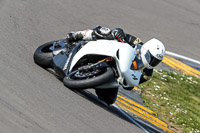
(69, 37)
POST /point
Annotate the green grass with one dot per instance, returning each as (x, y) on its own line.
(175, 98)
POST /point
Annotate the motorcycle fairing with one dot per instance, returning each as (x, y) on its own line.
(123, 54)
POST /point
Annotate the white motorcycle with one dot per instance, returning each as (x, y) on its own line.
(103, 65)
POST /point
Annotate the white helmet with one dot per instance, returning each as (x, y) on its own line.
(149, 54)
(152, 52)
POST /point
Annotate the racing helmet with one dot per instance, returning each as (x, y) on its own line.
(150, 54)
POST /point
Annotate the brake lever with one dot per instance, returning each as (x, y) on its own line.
(53, 47)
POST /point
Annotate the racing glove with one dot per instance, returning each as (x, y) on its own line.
(70, 38)
(73, 36)
(86, 35)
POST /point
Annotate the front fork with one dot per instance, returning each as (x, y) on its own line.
(99, 65)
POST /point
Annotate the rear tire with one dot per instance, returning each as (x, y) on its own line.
(107, 95)
(79, 84)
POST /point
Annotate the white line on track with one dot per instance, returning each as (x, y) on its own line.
(183, 57)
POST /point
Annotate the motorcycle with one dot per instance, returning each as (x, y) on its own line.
(103, 65)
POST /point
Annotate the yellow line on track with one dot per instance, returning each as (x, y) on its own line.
(181, 66)
(142, 112)
(125, 107)
(136, 104)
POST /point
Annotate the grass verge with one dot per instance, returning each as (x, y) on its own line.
(175, 98)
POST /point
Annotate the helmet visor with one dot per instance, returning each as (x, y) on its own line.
(154, 61)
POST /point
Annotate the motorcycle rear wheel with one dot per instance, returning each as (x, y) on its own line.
(107, 95)
(79, 84)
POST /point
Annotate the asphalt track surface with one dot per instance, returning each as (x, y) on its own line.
(32, 100)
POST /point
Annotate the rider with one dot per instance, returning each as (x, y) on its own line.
(151, 53)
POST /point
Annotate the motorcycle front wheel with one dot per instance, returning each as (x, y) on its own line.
(43, 54)
(71, 81)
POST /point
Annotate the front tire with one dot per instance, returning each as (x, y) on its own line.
(43, 55)
(92, 82)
